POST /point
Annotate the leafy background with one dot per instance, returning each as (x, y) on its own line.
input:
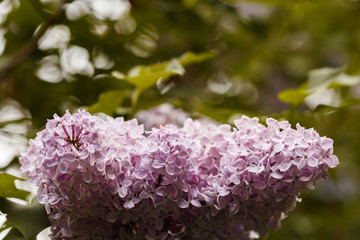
(296, 60)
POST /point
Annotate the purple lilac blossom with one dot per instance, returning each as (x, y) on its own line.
(161, 115)
(265, 168)
(104, 179)
(82, 166)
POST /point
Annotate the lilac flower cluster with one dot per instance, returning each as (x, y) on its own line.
(256, 172)
(105, 179)
(165, 114)
(83, 165)
(161, 115)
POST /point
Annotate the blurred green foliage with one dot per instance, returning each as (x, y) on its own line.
(8, 188)
(58, 55)
(28, 219)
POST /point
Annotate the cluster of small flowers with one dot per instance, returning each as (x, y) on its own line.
(104, 179)
(161, 115)
(83, 165)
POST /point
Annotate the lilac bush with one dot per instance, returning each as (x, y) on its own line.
(107, 179)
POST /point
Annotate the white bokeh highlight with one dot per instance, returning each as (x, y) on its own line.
(76, 60)
(56, 37)
(110, 9)
(49, 70)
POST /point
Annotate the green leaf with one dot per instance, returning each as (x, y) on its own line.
(344, 80)
(293, 96)
(146, 76)
(190, 57)
(321, 78)
(14, 234)
(8, 188)
(28, 219)
(143, 77)
(108, 101)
